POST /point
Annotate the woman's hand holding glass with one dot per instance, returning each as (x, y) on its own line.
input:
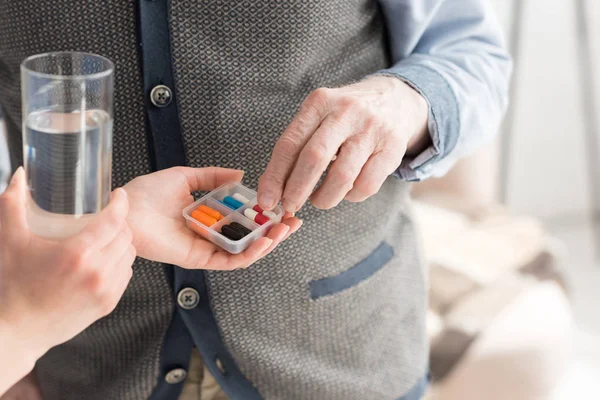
(52, 290)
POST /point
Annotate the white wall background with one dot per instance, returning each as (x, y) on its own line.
(548, 173)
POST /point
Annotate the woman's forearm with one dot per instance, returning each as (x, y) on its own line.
(17, 359)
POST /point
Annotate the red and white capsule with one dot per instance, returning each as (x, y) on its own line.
(268, 214)
(255, 216)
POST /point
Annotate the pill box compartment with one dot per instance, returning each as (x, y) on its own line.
(213, 233)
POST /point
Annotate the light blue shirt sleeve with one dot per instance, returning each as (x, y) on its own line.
(453, 53)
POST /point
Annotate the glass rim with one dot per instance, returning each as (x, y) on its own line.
(95, 75)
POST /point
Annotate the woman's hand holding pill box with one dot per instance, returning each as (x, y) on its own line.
(214, 223)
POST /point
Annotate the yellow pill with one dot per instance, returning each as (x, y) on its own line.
(203, 218)
(209, 211)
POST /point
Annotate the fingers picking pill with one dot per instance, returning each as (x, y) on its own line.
(253, 215)
(266, 200)
(268, 214)
(288, 206)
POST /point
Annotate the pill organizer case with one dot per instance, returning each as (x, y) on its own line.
(213, 233)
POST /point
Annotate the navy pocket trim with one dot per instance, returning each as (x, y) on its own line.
(358, 273)
(418, 390)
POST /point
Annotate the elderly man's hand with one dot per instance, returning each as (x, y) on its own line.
(369, 125)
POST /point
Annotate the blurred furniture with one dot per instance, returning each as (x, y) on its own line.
(499, 320)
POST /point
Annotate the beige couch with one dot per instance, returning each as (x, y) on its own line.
(499, 320)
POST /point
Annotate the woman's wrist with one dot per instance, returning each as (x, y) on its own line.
(18, 357)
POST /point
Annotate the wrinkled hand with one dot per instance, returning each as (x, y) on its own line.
(160, 232)
(369, 125)
(51, 290)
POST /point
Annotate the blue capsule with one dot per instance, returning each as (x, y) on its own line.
(226, 205)
(232, 203)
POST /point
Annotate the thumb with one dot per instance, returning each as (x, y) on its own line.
(106, 225)
(13, 215)
(211, 177)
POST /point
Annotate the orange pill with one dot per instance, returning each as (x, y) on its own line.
(203, 218)
(209, 211)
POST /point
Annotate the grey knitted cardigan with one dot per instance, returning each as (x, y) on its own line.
(336, 312)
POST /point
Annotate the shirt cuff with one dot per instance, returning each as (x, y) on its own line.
(443, 122)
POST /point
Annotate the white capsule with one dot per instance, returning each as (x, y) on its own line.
(250, 214)
(269, 214)
(240, 198)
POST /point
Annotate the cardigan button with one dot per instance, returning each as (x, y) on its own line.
(175, 376)
(161, 96)
(188, 298)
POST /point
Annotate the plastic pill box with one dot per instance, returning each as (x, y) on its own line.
(230, 212)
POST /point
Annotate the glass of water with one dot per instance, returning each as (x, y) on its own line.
(67, 139)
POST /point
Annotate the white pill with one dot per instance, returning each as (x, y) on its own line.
(240, 198)
(250, 213)
(269, 214)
